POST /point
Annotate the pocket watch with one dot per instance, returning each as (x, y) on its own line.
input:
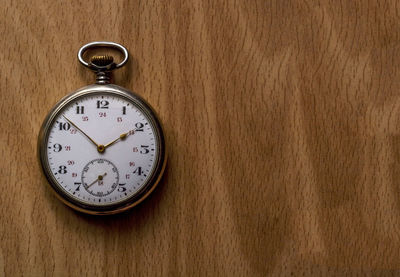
(102, 147)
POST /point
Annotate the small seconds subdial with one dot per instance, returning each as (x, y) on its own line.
(100, 177)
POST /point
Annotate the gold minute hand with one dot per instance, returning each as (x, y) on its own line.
(100, 147)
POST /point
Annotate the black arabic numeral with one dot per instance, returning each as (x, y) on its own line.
(57, 147)
(138, 171)
(139, 127)
(102, 104)
(121, 188)
(62, 169)
(78, 185)
(144, 149)
(64, 126)
(80, 109)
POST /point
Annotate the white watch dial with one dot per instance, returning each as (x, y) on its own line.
(89, 123)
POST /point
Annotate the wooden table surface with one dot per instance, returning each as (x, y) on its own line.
(282, 121)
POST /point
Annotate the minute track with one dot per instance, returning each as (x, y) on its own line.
(102, 129)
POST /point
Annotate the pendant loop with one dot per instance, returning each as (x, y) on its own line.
(95, 44)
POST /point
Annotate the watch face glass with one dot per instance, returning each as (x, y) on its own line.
(101, 148)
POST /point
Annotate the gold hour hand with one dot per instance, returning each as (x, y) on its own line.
(121, 137)
(100, 147)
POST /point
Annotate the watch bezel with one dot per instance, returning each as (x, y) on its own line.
(152, 180)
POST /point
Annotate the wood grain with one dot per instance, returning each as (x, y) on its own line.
(282, 123)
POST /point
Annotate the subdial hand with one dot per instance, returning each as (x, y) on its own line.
(121, 137)
(99, 178)
(100, 147)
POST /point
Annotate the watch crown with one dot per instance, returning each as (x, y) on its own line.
(101, 60)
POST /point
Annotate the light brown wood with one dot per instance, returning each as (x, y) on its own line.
(282, 120)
